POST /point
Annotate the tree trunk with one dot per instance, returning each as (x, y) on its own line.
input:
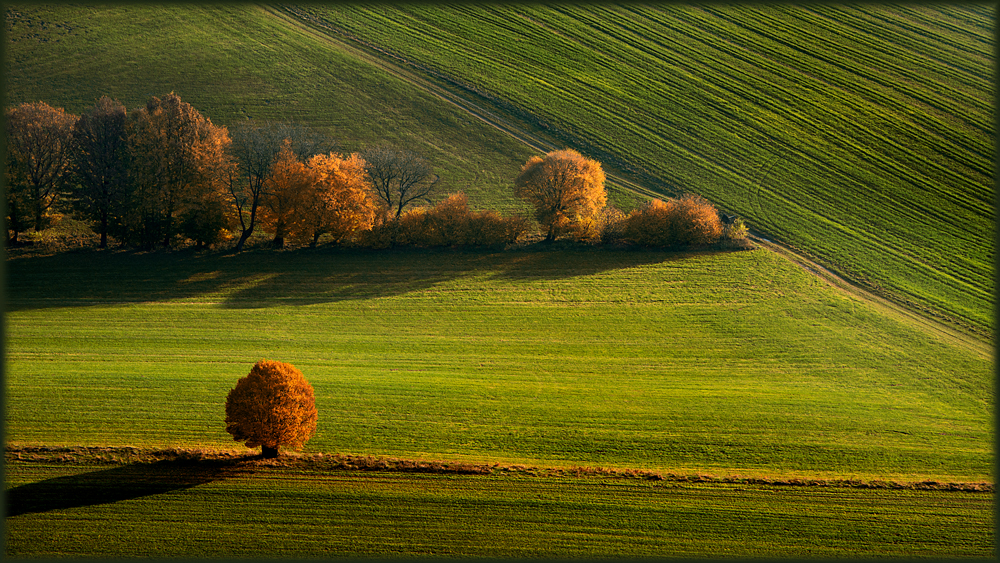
(248, 230)
(243, 239)
(104, 230)
(551, 236)
(268, 452)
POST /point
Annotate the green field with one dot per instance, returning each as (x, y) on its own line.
(720, 362)
(863, 135)
(827, 128)
(301, 513)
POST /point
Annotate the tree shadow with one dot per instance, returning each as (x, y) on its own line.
(263, 278)
(125, 482)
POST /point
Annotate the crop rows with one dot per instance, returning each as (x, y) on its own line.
(865, 150)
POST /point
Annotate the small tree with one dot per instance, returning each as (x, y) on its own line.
(271, 406)
(567, 191)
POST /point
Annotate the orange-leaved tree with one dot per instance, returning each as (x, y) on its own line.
(39, 139)
(284, 189)
(271, 406)
(339, 202)
(567, 191)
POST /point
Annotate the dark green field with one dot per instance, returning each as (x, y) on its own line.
(861, 135)
(181, 512)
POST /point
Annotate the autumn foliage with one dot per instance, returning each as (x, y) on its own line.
(688, 220)
(179, 165)
(271, 406)
(39, 141)
(566, 190)
(338, 203)
(163, 174)
(449, 223)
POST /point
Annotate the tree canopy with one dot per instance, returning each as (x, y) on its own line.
(271, 406)
(566, 189)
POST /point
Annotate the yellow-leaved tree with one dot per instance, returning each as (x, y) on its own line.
(567, 191)
(271, 406)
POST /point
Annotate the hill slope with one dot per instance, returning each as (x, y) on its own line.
(237, 61)
(730, 363)
(862, 135)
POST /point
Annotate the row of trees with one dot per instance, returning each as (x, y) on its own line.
(165, 172)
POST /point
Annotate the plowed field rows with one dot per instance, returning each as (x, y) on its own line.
(863, 135)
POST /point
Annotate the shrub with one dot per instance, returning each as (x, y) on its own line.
(651, 224)
(688, 220)
(696, 221)
(449, 223)
(611, 224)
(737, 230)
(271, 406)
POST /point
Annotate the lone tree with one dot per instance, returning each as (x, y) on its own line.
(566, 189)
(271, 406)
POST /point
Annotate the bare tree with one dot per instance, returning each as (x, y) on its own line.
(399, 177)
(255, 147)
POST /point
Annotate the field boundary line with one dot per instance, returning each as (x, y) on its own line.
(322, 462)
(928, 324)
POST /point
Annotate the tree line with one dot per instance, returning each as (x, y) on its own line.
(164, 173)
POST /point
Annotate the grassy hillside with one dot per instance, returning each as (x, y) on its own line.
(235, 61)
(730, 363)
(863, 135)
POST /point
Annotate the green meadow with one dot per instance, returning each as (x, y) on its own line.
(590, 382)
(721, 362)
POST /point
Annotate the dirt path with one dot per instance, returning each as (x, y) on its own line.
(471, 103)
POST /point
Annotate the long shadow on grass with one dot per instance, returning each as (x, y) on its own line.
(116, 484)
(264, 278)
